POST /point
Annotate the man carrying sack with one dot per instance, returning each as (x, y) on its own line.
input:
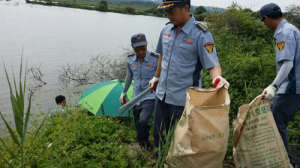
(185, 47)
(287, 100)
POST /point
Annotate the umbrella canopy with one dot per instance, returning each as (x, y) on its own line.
(103, 98)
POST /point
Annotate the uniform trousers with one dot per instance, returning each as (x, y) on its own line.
(284, 109)
(142, 114)
(165, 117)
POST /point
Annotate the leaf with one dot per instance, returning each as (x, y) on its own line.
(37, 133)
(43, 151)
(10, 165)
(17, 115)
(26, 120)
(12, 134)
(12, 154)
(34, 164)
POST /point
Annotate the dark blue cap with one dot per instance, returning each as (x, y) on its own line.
(268, 9)
(138, 40)
(168, 4)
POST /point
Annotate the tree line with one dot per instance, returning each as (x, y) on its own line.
(292, 14)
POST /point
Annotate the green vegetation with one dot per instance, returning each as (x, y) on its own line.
(102, 6)
(20, 144)
(80, 140)
(200, 13)
(247, 57)
(200, 10)
(130, 10)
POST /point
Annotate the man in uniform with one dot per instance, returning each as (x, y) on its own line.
(141, 66)
(185, 47)
(286, 102)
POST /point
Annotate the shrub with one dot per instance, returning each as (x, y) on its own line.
(80, 140)
(200, 10)
(102, 6)
(201, 17)
(130, 10)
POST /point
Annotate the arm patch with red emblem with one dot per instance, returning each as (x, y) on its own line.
(280, 45)
(209, 47)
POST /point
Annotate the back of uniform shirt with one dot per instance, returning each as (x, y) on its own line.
(288, 49)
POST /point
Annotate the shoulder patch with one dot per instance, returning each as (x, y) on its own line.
(131, 54)
(280, 45)
(201, 26)
(154, 54)
(168, 23)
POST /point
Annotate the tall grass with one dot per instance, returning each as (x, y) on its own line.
(167, 137)
(18, 134)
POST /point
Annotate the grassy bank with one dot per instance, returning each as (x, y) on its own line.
(80, 140)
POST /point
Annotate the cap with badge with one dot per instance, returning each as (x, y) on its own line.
(138, 40)
(169, 4)
(269, 9)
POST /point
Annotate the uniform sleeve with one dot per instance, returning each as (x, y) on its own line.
(159, 48)
(207, 51)
(127, 83)
(286, 47)
(283, 72)
(129, 72)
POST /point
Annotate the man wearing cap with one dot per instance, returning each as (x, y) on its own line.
(185, 47)
(286, 101)
(141, 66)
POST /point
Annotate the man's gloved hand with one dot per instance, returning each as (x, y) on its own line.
(269, 93)
(123, 98)
(152, 83)
(219, 82)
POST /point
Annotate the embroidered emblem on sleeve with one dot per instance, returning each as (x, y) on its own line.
(209, 47)
(280, 45)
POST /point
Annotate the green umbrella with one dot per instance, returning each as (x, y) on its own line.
(103, 98)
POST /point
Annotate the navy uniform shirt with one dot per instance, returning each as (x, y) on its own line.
(184, 57)
(288, 49)
(142, 72)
